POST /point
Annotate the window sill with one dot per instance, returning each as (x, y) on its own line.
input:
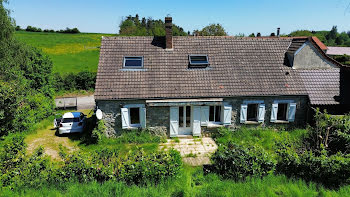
(252, 122)
(281, 122)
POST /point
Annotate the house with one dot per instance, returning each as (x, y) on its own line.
(189, 84)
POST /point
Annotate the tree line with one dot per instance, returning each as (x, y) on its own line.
(37, 29)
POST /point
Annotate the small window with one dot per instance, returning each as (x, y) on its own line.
(252, 112)
(282, 111)
(133, 62)
(198, 61)
(134, 116)
(215, 114)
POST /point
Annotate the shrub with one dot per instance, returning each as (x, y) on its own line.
(139, 137)
(331, 132)
(83, 80)
(331, 171)
(141, 168)
(238, 162)
(98, 132)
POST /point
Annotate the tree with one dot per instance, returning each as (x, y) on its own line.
(132, 26)
(213, 30)
(252, 35)
(25, 81)
(333, 33)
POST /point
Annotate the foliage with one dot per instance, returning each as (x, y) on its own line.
(329, 38)
(99, 132)
(133, 26)
(136, 167)
(331, 132)
(35, 29)
(332, 171)
(83, 80)
(25, 81)
(211, 30)
(139, 137)
(344, 59)
(238, 162)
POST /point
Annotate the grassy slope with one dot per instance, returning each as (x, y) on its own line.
(69, 52)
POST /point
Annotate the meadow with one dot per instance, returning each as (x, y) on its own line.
(70, 53)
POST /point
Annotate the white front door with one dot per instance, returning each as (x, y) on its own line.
(185, 120)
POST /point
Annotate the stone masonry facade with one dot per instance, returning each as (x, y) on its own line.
(158, 118)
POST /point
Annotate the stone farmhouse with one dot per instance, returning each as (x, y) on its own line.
(186, 85)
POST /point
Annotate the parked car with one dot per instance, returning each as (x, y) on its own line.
(71, 122)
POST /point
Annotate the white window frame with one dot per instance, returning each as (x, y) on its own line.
(258, 102)
(288, 102)
(139, 106)
(210, 123)
(132, 67)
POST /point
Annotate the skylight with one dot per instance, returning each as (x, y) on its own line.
(133, 62)
(198, 61)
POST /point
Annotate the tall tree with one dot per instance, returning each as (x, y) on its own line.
(211, 30)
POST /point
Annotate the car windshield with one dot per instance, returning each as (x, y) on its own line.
(66, 120)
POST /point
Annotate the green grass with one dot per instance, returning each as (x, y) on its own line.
(69, 52)
(265, 137)
(191, 182)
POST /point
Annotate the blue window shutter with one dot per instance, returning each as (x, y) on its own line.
(196, 120)
(143, 117)
(274, 112)
(174, 121)
(125, 117)
(291, 112)
(204, 115)
(243, 117)
(261, 115)
(227, 114)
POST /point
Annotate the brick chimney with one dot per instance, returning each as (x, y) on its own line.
(168, 32)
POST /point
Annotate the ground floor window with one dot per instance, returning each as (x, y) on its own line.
(282, 111)
(215, 114)
(252, 112)
(133, 116)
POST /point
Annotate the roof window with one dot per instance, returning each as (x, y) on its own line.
(198, 61)
(133, 62)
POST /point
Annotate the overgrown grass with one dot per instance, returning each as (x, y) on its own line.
(69, 52)
(191, 182)
(264, 137)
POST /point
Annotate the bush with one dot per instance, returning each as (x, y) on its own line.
(331, 132)
(99, 132)
(19, 170)
(139, 137)
(332, 171)
(238, 162)
(83, 80)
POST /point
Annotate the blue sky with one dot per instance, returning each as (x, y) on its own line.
(263, 16)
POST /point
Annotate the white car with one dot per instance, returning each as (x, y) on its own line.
(71, 122)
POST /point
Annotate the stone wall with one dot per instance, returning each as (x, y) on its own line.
(158, 118)
(300, 115)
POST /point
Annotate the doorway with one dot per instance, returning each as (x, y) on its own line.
(185, 120)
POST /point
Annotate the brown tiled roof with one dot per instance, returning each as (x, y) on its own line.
(322, 85)
(238, 67)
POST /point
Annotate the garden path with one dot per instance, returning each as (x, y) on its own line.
(194, 151)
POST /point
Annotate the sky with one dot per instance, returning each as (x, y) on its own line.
(104, 16)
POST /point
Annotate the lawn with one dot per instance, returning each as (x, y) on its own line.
(70, 53)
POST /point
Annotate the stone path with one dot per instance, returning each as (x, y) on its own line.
(194, 151)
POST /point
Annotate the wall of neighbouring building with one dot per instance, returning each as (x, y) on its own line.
(158, 118)
(309, 58)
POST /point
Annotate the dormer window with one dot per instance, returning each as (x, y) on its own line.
(198, 61)
(133, 62)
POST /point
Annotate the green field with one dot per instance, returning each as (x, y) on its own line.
(70, 53)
